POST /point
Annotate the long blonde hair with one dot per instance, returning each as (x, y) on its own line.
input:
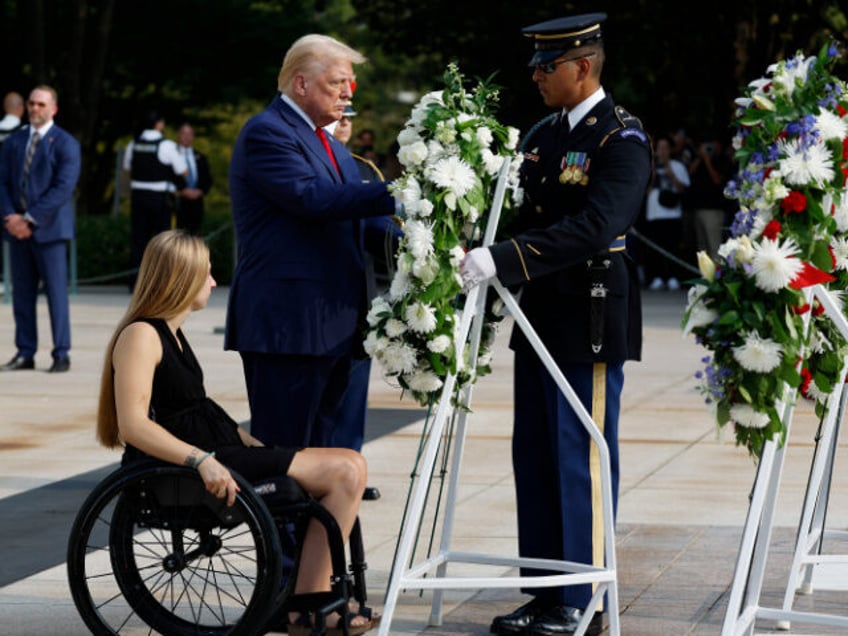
(173, 270)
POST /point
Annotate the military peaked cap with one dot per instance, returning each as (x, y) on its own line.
(556, 37)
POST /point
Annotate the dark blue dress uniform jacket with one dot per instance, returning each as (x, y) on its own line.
(565, 221)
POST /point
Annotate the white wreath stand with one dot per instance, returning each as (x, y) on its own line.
(419, 576)
(744, 604)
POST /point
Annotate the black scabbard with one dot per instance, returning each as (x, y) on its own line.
(598, 273)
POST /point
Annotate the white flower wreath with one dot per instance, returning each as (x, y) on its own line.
(452, 149)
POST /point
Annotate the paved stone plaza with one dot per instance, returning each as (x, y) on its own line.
(684, 492)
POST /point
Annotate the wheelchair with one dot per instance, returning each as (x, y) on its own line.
(151, 552)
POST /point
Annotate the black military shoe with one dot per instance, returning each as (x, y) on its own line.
(519, 620)
(563, 620)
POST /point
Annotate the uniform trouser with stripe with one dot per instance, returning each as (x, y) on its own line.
(557, 474)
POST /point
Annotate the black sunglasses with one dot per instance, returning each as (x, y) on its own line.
(549, 67)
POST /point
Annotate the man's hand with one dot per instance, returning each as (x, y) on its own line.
(18, 227)
(477, 266)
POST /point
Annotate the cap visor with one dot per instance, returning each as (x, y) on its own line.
(543, 57)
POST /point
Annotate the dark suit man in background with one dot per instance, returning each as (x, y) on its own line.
(584, 177)
(39, 169)
(298, 298)
(190, 205)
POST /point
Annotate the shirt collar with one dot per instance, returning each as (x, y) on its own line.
(288, 100)
(41, 131)
(576, 114)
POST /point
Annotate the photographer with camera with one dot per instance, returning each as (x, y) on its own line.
(663, 220)
(705, 201)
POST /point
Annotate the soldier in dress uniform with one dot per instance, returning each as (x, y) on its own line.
(585, 173)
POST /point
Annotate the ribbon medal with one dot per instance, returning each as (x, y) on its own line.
(575, 166)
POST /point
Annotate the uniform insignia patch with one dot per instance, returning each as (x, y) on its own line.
(634, 132)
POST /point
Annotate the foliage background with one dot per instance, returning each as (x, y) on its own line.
(215, 62)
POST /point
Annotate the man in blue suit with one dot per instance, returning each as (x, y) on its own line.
(298, 298)
(39, 169)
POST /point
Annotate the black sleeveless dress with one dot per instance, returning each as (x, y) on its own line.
(178, 402)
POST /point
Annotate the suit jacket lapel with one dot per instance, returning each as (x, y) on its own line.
(306, 135)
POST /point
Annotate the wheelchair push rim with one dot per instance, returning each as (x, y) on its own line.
(151, 552)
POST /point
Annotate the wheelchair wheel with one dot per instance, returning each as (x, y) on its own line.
(152, 552)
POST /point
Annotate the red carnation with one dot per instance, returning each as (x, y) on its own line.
(845, 148)
(806, 378)
(841, 110)
(794, 202)
(772, 230)
(800, 310)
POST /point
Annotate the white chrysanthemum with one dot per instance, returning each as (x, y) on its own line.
(491, 162)
(839, 245)
(408, 136)
(395, 327)
(456, 254)
(484, 359)
(374, 344)
(439, 344)
(831, 126)
(378, 306)
(774, 264)
(513, 135)
(410, 194)
(419, 238)
(484, 136)
(745, 415)
(423, 381)
(840, 213)
(399, 286)
(399, 357)
(453, 174)
(425, 208)
(413, 154)
(420, 317)
(805, 165)
(758, 354)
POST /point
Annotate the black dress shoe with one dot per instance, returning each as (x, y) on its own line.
(60, 365)
(563, 620)
(371, 494)
(18, 363)
(519, 620)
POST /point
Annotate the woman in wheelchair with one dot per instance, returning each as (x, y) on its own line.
(152, 401)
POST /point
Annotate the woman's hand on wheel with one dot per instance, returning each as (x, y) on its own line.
(218, 480)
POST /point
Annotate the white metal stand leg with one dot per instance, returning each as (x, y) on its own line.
(744, 603)
(414, 576)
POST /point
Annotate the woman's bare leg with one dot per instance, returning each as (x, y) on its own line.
(337, 478)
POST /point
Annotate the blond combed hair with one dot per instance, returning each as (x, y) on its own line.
(172, 273)
(312, 54)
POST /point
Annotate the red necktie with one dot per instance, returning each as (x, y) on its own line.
(326, 143)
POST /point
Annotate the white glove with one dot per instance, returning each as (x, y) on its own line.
(477, 266)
